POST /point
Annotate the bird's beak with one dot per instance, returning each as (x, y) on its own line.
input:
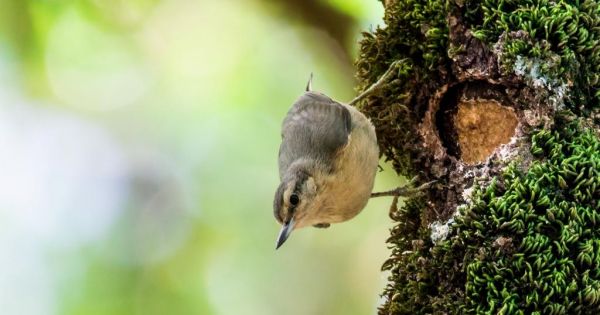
(285, 232)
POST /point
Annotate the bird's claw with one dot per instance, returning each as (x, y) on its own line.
(406, 190)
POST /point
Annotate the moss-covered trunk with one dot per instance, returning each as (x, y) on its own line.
(499, 103)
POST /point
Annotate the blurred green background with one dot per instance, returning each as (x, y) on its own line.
(138, 147)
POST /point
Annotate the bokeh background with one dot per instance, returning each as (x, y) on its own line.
(138, 147)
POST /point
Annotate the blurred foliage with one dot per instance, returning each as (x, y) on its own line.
(144, 138)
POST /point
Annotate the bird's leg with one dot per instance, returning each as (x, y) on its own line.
(403, 191)
(377, 85)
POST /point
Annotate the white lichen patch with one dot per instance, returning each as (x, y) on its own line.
(467, 193)
(440, 231)
(508, 151)
(531, 69)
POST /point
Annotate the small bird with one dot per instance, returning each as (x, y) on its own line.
(327, 162)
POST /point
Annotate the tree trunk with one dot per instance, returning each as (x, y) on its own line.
(498, 102)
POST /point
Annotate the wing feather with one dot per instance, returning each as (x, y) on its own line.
(315, 127)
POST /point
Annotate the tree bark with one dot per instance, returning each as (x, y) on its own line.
(498, 103)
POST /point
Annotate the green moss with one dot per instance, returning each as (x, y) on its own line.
(553, 44)
(528, 243)
(569, 30)
(417, 37)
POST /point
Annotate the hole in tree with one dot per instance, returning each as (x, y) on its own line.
(444, 120)
(474, 118)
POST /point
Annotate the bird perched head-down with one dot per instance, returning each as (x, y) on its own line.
(327, 163)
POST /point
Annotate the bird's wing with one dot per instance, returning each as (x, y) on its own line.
(316, 127)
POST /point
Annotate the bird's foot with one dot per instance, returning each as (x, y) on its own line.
(404, 191)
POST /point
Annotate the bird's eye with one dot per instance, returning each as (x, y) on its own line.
(294, 199)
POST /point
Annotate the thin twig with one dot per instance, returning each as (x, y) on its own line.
(377, 85)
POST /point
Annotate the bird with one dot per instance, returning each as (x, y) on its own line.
(328, 159)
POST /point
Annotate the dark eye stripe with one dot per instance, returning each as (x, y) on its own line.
(278, 204)
(302, 177)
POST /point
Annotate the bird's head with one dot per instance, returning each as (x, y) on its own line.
(295, 203)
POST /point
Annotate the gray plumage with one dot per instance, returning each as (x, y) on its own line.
(327, 161)
(315, 128)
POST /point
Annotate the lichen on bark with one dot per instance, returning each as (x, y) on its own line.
(499, 103)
